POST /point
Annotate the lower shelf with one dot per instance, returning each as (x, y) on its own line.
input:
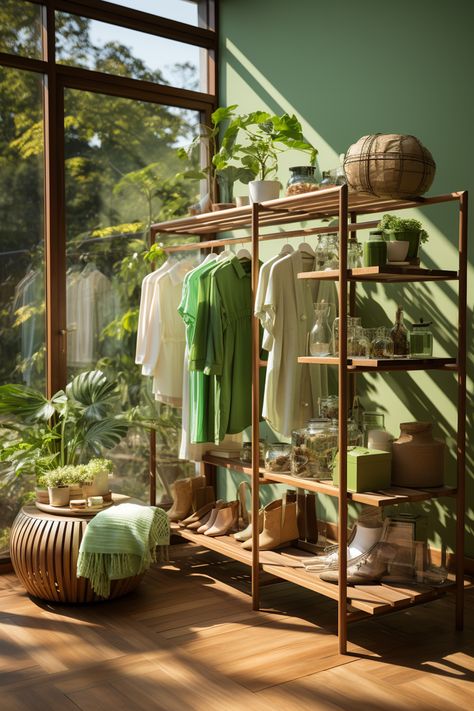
(363, 600)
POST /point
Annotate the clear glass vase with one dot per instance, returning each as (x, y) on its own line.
(320, 336)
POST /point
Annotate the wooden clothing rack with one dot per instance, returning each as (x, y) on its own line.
(354, 602)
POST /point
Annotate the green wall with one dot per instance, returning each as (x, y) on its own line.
(353, 68)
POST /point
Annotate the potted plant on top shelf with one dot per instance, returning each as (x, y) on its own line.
(266, 136)
(404, 229)
(219, 174)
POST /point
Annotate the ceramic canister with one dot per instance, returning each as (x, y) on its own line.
(417, 458)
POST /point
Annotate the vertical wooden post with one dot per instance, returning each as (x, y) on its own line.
(352, 312)
(152, 451)
(342, 443)
(461, 434)
(55, 239)
(255, 414)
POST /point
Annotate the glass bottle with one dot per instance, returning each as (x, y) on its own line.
(354, 253)
(399, 336)
(375, 250)
(303, 179)
(421, 340)
(320, 336)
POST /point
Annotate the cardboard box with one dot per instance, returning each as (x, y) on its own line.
(367, 469)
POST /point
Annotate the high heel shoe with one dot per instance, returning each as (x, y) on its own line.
(225, 520)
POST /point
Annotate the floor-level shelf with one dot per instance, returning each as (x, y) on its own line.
(286, 564)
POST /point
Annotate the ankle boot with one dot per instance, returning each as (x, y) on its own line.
(202, 496)
(225, 520)
(197, 483)
(279, 526)
(246, 533)
(182, 499)
(368, 568)
(210, 521)
(198, 514)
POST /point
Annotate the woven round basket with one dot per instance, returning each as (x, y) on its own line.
(390, 166)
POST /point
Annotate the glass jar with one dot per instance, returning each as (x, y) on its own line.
(246, 453)
(352, 323)
(303, 179)
(277, 457)
(354, 254)
(320, 336)
(399, 335)
(382, 345)
(329, 406)
(421, 340)
(313, 449)
(375, 250)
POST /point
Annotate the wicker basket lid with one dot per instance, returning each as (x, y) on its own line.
(389, 165)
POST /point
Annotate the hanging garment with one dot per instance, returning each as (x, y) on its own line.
(259, 306)
(221, 345)
(28, 310)
(91, 306)
(166, 356)
(291, 389)
(144, 314)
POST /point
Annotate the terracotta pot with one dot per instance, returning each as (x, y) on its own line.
(417, 458)
(42, 495)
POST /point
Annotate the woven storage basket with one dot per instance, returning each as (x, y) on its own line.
(390, 166)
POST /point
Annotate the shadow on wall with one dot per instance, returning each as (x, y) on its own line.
(333, 65)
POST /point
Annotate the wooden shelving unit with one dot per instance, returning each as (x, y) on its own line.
(357, 601)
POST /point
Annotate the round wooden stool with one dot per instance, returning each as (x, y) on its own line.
(44, 548)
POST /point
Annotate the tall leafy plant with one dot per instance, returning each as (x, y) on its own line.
(39, 434)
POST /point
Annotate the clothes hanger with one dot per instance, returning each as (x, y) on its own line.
(286, 249)
(243, 253)
(306, 248)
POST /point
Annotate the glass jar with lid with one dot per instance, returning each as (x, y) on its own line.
(246, 453)
(421, 340)
(312, 448)
(329, 406)
(375, 250)
(382, 345)
(303, 179)
(277, 457)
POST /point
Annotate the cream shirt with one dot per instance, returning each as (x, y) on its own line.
(291, 389)
(144, 313)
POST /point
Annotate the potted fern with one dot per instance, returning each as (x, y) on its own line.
(406, 230)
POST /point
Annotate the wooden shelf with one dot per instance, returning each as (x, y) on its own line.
(385, 364)
(287, 565)
(299, 208)
(386, 497)
(386, 274)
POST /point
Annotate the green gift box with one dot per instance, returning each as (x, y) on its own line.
(367, 469)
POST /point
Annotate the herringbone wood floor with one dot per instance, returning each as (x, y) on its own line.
(188, 640)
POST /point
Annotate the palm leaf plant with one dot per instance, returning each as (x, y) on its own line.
(38, 434)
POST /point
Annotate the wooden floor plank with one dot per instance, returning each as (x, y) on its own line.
(188, 639)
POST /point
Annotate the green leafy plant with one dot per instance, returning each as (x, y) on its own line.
(392, 223)
(56, 478)
(217, 170)
(266, 136)
(98, 466)
(75, 424)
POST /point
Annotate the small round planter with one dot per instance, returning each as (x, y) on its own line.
(262, 190)
(58, 495)
(413, 239)
(98, 487)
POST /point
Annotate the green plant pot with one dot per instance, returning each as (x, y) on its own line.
(413, 239)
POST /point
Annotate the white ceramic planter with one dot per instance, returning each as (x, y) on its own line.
(98, 487)
(397, 250)
(58, 495)
(262, 190)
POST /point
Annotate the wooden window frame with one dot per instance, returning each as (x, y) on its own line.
(57, 78)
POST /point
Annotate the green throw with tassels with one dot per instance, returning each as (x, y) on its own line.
(121, 542)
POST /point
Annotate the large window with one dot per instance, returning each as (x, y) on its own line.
(87, 163)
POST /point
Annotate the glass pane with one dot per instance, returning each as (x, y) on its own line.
(116, 50)
(179, 10)
(22, 325)
(121, 168)
(20, 28)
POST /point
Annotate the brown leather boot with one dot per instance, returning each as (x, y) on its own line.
(279, 526)
(182, 499)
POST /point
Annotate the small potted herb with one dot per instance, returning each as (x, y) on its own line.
(97, 472)
(58, 488)
(404, 229)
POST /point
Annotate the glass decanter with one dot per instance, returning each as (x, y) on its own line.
(320, 336)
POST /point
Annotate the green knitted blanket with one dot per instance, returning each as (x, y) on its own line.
(121, 542)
